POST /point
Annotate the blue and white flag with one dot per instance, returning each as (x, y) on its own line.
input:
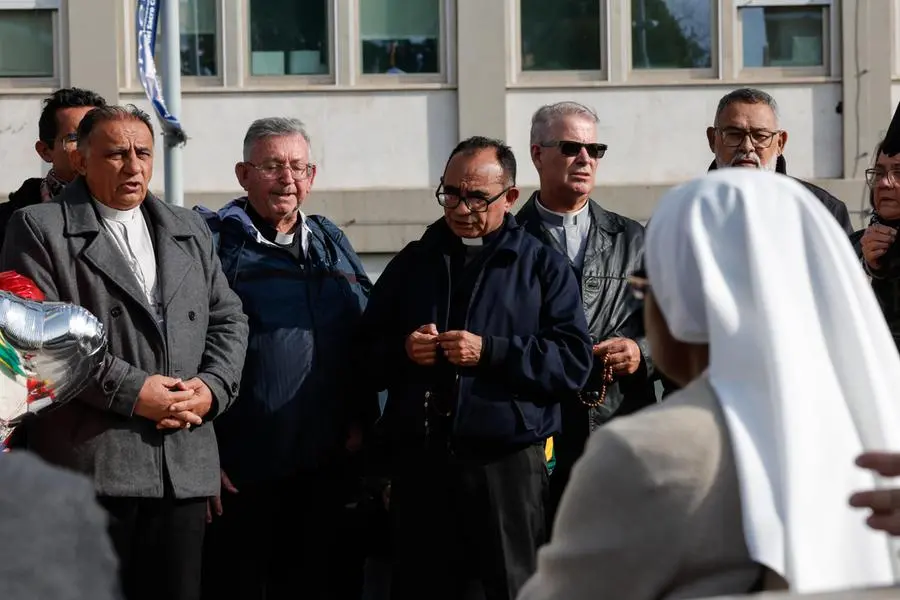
(147, 21)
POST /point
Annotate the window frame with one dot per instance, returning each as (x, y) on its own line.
(251, 81)
(57, 30)
(710, 73)
(521, 78)
(446, 33)
(830, 42)
(128, 68)
(895, 19)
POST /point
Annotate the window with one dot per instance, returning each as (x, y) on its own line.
(784, 36)
(562, 35)
(400, 36)
(199, 47)
(26, 43)
(289, 37)
(671, 34)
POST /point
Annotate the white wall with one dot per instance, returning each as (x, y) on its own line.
(658, 135)
(18, 133)
(393, 140)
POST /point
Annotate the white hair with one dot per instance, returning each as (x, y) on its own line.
(273, 126)
(548, 115)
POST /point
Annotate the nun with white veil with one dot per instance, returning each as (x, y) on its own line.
(755, 304)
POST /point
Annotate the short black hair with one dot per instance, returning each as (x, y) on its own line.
(504, 154)
(745, 96)
(73, 97)
(110, 112)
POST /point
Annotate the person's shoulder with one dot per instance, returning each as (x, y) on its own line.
(822, 194)
(614, 222)
(676, 437)
(27, 476)
(28, 193)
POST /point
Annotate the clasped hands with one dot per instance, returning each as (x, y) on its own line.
(172, 403)
(461, 348)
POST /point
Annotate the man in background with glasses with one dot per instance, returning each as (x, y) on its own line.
(477, 333)
(285, 446)
(602, 248)
(746, 133)
(62, 112)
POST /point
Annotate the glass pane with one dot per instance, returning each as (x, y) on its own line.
(562, 35)
(289, 37)
(400, 36)
(26, 43)
(197, 20)
(776, 36)
(671, 34)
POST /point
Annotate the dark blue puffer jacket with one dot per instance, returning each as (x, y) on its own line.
(298, 382)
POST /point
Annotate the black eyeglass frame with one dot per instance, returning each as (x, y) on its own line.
(439, 193)
(571, 148)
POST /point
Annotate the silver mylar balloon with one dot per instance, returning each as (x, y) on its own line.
(48, 353)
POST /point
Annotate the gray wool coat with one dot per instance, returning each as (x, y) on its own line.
(63, 247)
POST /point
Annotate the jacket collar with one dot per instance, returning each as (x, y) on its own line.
(529, 217)
(235, 213)
(780, 165)
(81, 216)
(171, 232)
(439, 235)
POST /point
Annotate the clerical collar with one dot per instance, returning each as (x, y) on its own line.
(472, 241)
(270, 233)
(113, 214)
(560, 219)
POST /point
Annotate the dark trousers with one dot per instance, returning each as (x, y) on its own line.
(464, 527)
(159, 542)
(282, 539)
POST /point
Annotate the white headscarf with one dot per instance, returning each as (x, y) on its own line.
(801, 361)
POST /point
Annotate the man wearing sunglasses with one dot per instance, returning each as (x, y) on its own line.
(602, 249)
(745, 133)
(477, 333)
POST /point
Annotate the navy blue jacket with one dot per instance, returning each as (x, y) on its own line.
(297, 389)
(526, 300)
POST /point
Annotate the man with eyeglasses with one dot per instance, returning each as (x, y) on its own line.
(602, 249)
(57, 126)
(477, 333)
(286, 445)
(745, 133)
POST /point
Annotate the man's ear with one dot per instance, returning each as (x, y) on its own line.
(242, 172)
(511, 196)
(783, 138)
(711, 138)
(44, 151)
(78, 160)
(536, 156)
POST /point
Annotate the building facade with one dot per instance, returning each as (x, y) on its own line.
(387, 87)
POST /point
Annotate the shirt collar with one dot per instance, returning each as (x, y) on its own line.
(559, 219)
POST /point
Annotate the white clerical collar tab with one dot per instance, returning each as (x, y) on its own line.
(284, 239)
(472, 241)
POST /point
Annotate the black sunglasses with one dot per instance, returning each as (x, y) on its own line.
(569, 148)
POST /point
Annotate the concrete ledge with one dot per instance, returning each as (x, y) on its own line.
(383, 220)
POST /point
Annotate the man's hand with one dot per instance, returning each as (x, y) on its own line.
(187, 412)
(156, 397)
(622, 354)
(421, 345)
(214, 504)
(884, 504)
(875, 243)
(460, 347)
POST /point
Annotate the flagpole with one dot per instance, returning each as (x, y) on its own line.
(171, 87)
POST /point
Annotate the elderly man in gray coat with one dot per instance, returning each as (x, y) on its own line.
(177, 339)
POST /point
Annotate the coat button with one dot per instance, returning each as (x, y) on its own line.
(109, 386)
(116, 312)
(192, 315)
